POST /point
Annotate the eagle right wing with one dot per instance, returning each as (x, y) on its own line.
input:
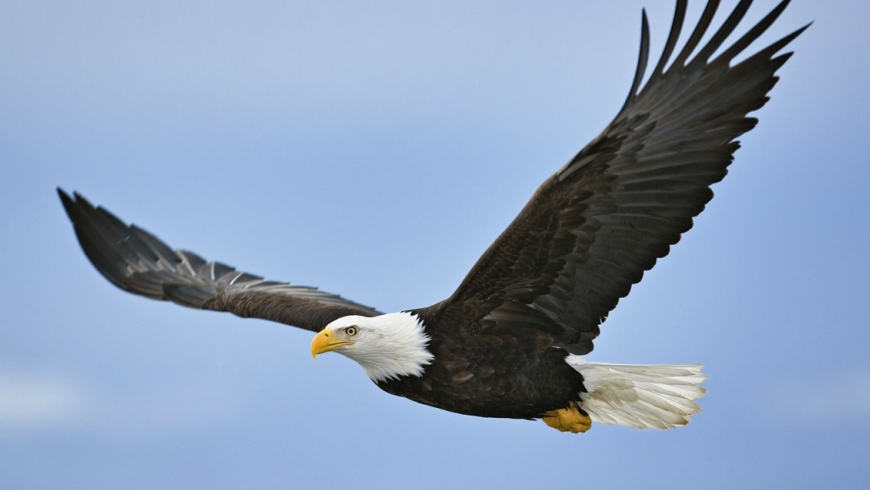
(592, 229)
(138, 262)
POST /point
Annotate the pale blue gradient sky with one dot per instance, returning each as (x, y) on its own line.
(375, 150)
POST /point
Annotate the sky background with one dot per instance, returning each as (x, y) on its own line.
(375, 150)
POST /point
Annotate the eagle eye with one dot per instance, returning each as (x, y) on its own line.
(351, 331)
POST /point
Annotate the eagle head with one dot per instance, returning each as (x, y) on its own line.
(386, 346)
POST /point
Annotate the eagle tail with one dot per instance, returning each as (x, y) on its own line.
(660, 396)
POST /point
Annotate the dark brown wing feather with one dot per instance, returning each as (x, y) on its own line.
(138, 262)
(592, 229)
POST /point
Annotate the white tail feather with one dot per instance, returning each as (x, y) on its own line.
(640, 395)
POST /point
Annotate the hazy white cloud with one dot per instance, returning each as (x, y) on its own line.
(34, 402)
(841, 398)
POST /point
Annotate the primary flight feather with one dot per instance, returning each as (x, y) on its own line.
(508, 342)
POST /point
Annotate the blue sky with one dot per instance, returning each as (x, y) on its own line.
(376, 150)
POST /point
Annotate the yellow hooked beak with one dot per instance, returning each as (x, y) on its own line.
(326, 341)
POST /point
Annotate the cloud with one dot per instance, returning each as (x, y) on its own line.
(32, 402)
(823, 400)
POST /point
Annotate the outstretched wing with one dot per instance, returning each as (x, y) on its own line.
(592, 229)
(138, 262)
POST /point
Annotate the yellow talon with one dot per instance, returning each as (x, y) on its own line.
(570, 419)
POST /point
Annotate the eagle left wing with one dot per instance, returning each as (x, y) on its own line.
(140, 263)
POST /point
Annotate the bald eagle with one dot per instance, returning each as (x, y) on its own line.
(509, 341)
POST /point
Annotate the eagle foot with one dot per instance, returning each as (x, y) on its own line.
(571, 419)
